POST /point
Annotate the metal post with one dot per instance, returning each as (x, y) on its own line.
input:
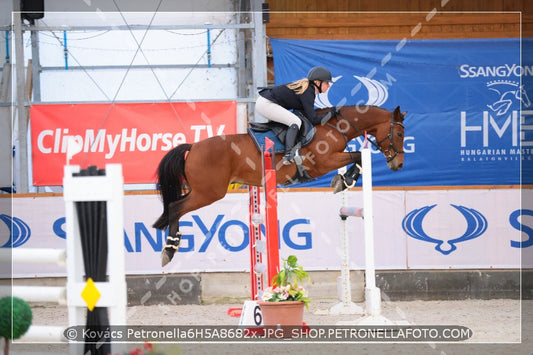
(208, 48)
(241, 64)
(259, 49)
(21, 153)
(8, 59)
(65, 49)
(36, 66)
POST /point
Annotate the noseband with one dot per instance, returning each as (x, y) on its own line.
(391, 152)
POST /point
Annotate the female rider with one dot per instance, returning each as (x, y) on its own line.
(275, 102)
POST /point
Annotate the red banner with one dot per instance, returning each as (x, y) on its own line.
(136, 135)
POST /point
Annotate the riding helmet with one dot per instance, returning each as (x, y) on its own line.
(319, 73)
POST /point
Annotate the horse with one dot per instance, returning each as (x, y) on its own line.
(191, 176)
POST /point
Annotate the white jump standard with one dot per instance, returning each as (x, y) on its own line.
(372, 293)
(106, 188)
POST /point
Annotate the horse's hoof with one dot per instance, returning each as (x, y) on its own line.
(166, 256)
(334, 180)
(337, 183)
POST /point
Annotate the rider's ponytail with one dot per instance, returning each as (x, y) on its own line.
(299, 86)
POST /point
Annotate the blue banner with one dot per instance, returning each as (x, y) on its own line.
(464, 98)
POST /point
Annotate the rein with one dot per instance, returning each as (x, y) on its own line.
(387, 152)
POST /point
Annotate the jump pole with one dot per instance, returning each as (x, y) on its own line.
(264, 253)
(271, 211)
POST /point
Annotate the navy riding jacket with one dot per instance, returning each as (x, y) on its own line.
(290, 100)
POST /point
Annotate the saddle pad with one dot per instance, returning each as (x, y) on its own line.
(259, 140)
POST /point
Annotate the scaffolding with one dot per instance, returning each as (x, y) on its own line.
(249, 66)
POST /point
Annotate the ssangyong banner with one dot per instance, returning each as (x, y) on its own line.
(469, 111)
(136, 135)
(420, 229)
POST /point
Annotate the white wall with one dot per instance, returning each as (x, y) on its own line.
(214, 237)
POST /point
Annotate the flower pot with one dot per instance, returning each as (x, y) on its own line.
(285, 316)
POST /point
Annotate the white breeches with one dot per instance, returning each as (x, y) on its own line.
(275, 112)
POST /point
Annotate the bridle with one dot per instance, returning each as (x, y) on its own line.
(391, 152)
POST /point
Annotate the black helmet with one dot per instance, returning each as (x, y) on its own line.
(319, 73)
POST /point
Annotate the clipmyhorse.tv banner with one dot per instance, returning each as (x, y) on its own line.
(136, 135)
(464, 98)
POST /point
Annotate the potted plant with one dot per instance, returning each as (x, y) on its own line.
(283, 303)
(15, 319)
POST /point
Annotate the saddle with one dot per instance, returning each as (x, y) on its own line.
(276, 132)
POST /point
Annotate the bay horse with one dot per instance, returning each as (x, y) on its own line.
(191, 176)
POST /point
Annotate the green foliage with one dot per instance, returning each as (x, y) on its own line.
(285, 283)
(291, 273)
(21, 317)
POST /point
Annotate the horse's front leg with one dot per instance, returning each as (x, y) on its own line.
(350, 177)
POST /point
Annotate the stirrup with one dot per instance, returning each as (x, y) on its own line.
(292, 157)
(298, 159)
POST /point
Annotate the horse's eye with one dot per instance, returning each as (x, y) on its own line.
(399, 134)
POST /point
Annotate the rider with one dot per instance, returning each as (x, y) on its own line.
(275, 102)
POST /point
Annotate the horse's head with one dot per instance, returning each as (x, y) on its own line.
(386, 127)
(389, 138)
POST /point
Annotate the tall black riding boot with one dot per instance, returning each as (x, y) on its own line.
(290, 142)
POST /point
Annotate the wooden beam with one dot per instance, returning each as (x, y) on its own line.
(342, 25)
(317, 20)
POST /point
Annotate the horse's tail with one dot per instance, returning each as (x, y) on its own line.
(171, 178)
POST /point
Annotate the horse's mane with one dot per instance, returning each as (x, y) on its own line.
(371, 106)
(354, 106)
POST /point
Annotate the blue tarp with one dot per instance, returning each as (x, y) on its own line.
(463, 99)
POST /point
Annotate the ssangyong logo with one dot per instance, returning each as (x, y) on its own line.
(476, 226)
(497, 71)
(19, 232)
(356, 90)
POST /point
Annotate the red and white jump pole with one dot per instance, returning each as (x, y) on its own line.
(257, 245)
(264, 253)
(271, 210)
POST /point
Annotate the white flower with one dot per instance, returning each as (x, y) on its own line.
(267, 294)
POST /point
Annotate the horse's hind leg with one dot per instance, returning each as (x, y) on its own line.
(173, 240)
(199, 197)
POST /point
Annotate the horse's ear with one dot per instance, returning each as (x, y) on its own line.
(397, 113)
(404, 113)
